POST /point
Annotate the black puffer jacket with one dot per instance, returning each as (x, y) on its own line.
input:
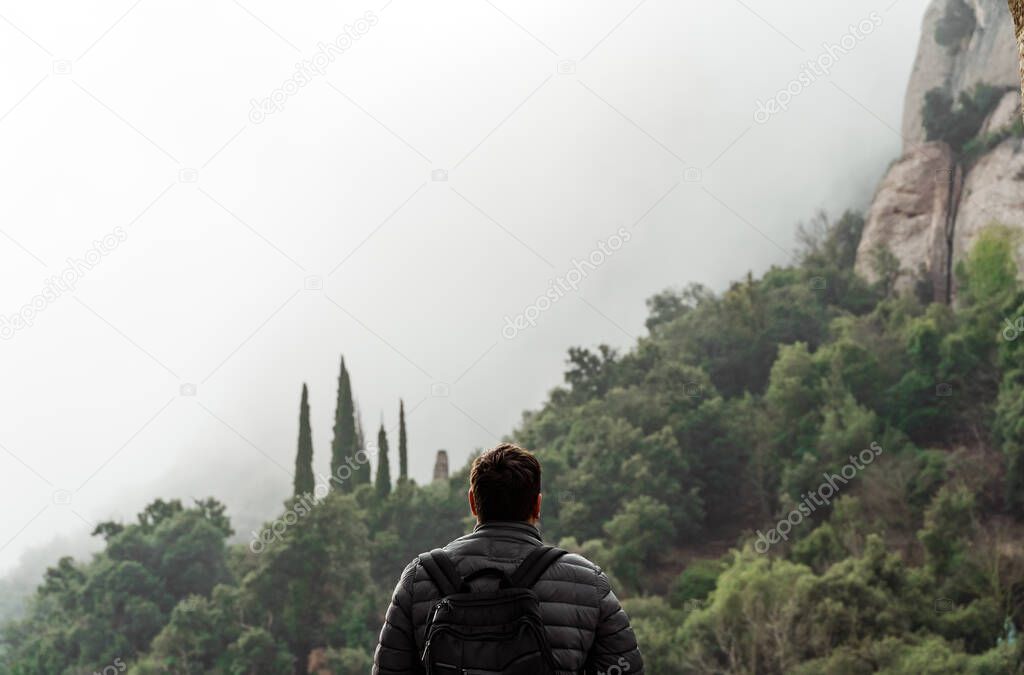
(586, 627)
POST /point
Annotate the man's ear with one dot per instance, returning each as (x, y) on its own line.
(472, 502)
(536, 506)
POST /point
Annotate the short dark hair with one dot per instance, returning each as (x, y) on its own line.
(505, 482)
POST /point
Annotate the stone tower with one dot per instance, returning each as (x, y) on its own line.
(441, 466)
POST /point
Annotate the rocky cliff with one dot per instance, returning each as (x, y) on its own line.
(992, 193)
(988, 53)
(935, 199)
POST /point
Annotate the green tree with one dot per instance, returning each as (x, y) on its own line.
(793, 398)
(348, 661)
(403, 445)
(362, 474)
(887, 268)
(1009, 421)
(695, 582)
(197, 636)
(312, 587)
(304, 480)
(344, 445)
(383, 464)
(756, 621)
(638, 533)
(256, 652)
(657, 627)
(989, 276)
(949, 522)
(113, 607)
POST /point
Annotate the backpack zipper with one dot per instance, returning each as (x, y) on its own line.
(436, 608)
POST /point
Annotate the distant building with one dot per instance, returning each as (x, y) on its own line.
(441, 466)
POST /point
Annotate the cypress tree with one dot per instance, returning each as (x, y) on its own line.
(362, 471)
(344, 446)
(360, 436)
(383, 466)
(403, 445)
(304, 481)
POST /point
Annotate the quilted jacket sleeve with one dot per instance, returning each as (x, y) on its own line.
(396, 649)
(615, 649)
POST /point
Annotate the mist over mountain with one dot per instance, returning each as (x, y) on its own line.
(555, 129)
(762, 335)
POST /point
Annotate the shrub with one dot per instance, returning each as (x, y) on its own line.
(696, 582)
(957, 123)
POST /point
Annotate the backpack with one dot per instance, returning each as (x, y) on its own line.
(492, 632)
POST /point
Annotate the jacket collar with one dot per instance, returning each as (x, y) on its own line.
(496, 526)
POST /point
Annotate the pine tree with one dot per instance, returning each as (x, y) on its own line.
(304, 480)
(383, 466)
(344, 446)
(403, 445)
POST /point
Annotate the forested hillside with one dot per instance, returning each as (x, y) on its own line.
(693, 467)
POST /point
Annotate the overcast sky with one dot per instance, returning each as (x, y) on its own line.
(422, 173)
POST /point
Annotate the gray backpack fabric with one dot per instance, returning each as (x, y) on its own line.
(490, 632)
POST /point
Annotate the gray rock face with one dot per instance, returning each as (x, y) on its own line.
(993, 194)
(990, 55)
(1004, 115)
(910, 216)
(933, 68)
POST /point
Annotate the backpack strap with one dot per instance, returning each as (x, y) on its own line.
(535, 564)
(441, 571)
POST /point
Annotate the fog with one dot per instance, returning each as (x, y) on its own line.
(410, 192)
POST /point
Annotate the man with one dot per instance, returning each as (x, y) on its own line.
(586, 628)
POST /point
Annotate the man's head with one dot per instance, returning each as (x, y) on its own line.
(504, 484)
